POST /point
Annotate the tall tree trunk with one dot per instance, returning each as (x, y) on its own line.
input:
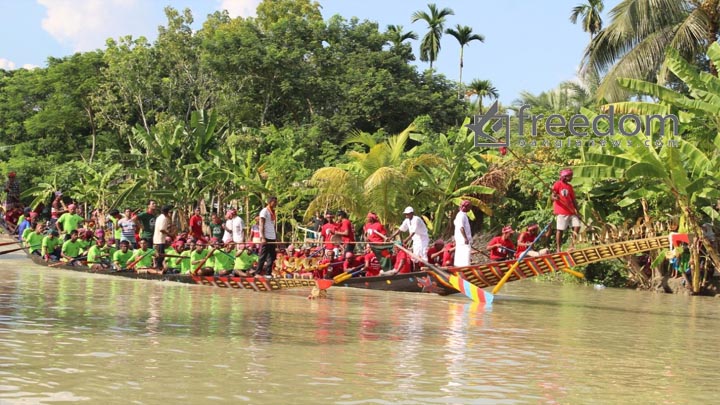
(460, 82)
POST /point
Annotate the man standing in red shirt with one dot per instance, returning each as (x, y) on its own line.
(346, 231)
(196, 223)
(565, 207)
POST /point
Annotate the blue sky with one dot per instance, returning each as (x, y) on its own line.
(529, 45)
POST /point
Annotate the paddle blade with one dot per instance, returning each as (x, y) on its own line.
(471, 291)
(324, 284)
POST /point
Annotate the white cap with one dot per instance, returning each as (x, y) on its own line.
(408, 210)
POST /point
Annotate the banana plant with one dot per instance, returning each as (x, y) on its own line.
(687, 170)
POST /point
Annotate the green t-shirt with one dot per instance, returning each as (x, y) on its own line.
(70, 248)
(216, 231)
(223, 260)
(70, 222)
(49, 244)
(245, 261)
(26, 232)
(185, 262)
(33, 240)
(147, 221)
(122, 259)
(85, 244)
(96, 254)
(198, 256)
(146, 261)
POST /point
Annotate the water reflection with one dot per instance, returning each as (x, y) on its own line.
(74, 337)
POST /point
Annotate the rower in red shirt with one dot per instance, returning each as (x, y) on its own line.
(435, 252)
(501, 247)
(372, 265)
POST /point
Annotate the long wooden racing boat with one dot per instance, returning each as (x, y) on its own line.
(489, 274)
(258, 283)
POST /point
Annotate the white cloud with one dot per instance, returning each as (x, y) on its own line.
(7, 64)
(239, 8)
(86, 24)
(30, 66)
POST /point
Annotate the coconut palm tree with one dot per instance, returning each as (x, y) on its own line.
(464, 36)
(633, 45)
(590, 13)
(430, 45)
(482, 89)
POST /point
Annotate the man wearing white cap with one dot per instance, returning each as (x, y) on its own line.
(418, 233)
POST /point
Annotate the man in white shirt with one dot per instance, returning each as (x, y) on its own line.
(268, 237)
(162, 223)
(234, 228)
(463, 236)
(418, 233)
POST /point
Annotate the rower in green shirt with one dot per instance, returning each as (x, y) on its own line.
(144, 253)
(70, 251)
(245, 259)
(51, 244)
(97, 256)
(33, 240)
(224, 260)
(122, 257)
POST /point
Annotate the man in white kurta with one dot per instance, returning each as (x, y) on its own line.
(418, 233)
(463, 236)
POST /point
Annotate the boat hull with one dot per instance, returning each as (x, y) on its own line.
(416, 282)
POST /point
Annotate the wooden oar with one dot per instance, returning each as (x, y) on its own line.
(79, 258)
(517, 262)
(8, 243)
(348, 274)
(30, 248)
(10, 251)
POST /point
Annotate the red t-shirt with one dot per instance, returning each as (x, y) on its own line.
(355, 261)
(346, 226)
(565, 204)
(406, 266)
(196, 226)
(496, 253)
(327, 232)
(377, 230)
(372, 266)
(448, 257)
(437, 260)
(524, 237)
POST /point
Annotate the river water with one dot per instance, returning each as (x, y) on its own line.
(74, 337)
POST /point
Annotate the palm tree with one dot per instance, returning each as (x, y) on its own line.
(464, 36)
(590, 13)
(383, 179)
(482, 89)
(397, 37)
(430, 45)
(633, 45)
